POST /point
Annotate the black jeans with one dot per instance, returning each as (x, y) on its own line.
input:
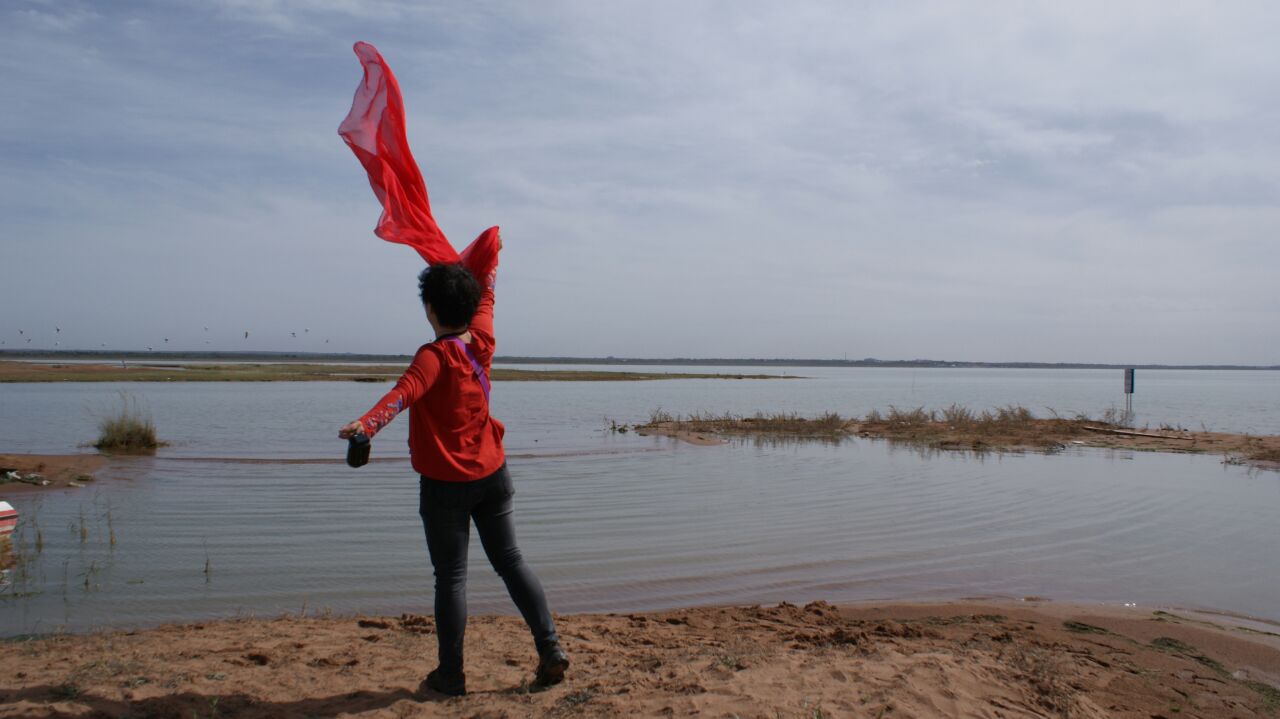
(447, 510)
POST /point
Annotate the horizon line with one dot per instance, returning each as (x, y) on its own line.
(612, 360)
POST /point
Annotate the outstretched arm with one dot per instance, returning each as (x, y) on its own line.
(415, 381)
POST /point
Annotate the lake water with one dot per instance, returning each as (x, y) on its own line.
(253, 490)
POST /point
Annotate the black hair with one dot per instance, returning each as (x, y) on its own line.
(452, 291)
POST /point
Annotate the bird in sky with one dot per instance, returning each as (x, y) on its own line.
(295, 334)
(246, 334)
(57, 328)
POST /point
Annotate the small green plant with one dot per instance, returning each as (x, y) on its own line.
(578, 698)
(208, 572)
(732, 662)
(1082, 628)
(128, 429)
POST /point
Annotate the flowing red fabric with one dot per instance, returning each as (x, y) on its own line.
(374, 130)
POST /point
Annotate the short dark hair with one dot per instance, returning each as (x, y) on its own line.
(452, 291)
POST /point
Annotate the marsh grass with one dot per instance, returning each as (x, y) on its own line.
(957, 417)
(777, 424)
(129, 429)
(959, 427)
(1011, 428)
(954, 427)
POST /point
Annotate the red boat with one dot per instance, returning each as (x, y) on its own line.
(8, 518)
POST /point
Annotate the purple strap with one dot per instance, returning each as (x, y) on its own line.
(476, 369)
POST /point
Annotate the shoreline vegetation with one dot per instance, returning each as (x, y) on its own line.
(957, 428)
(1030, 658)
(302, 372)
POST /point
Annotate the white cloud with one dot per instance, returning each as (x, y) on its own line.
(946, 180)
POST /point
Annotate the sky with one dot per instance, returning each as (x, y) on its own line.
(995, 181)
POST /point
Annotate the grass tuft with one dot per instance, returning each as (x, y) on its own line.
(128, 429)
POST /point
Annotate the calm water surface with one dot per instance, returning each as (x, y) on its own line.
(620, 522)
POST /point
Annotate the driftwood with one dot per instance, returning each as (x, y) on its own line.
(1131, 433)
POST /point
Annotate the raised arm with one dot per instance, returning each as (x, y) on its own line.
(482, 320)
(488, 245)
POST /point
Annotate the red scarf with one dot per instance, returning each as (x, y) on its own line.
(374, 130)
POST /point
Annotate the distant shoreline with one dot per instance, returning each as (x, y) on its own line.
(123, 371)
(304, 357)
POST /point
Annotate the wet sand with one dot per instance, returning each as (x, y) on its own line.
(60, 470)
(964, 659)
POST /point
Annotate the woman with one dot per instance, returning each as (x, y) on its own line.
(456, 447)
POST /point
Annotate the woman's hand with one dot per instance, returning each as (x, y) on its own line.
(351, 429)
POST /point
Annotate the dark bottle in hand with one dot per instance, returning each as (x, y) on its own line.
(358, 450)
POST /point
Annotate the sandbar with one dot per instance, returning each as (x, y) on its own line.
(937, 433)
(51, 471)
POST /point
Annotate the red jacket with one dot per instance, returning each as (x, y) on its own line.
(451, 435)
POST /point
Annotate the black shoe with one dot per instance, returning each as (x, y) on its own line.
(453, 685)
(551, 666)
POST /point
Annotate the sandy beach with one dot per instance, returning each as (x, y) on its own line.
(963, 659)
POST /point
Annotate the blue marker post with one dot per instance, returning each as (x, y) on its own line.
(1128, 393)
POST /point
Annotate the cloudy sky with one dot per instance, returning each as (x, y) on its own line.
(1070, 182)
